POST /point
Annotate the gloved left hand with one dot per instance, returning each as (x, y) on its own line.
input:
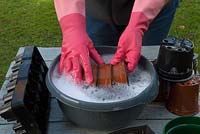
(130, 42)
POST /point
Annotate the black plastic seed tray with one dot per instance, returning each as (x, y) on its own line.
(27, 100)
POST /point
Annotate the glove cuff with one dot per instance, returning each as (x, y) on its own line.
(139, 21)
(73, 21)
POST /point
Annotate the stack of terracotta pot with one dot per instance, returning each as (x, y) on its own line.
(176, 66)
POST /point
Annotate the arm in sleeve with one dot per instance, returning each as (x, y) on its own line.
(67, 7)
(150, 8)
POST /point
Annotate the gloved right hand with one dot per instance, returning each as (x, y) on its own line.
(77, 48)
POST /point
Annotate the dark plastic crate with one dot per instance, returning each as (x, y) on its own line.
(28, 98)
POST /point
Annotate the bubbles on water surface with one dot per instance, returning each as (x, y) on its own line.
(138, 81)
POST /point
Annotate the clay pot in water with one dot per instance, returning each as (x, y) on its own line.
(107, 75)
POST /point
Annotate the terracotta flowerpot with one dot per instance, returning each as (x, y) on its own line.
(183, 97)
(104, 76)
(119, 74)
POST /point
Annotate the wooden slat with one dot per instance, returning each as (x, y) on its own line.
(150, 52)
(8, 74)
(150, 112)
(6, 129)
(3, 90)
(4, 122)
(104, 78)
(95, 74)
(48, 63)
(49, 53)
(61, 127)
(20, 51)
(119, 73)
(55, 112)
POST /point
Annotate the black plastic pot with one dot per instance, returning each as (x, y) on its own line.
(175, 59)
(105, 116)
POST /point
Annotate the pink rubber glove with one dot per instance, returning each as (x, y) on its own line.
(77, 47)
(130, 42)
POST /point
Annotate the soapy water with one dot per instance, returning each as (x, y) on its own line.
(138, 81)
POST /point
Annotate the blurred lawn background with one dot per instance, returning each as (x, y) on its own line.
(34, 22)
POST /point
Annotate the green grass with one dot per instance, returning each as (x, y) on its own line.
(34, 22)
(26, 22)
(187, 22)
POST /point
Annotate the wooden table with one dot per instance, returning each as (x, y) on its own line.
(154, 115)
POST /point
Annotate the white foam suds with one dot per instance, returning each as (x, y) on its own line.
(138, 81)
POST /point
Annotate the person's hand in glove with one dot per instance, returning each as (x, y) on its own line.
(77, 47)
(130, 42)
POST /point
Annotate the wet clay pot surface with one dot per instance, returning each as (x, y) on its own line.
(104, 76)
(119, 73)
(183, 97)
(107, 75)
